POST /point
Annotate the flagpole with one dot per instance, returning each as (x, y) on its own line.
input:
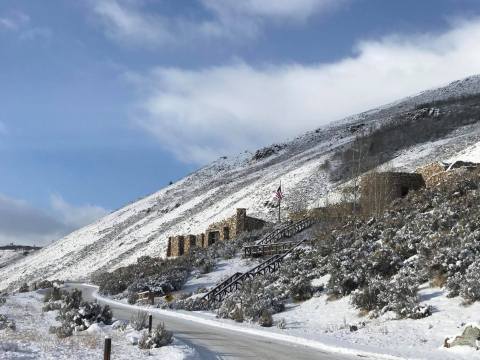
(279, 203)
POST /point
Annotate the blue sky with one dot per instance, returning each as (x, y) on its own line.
(105, 101)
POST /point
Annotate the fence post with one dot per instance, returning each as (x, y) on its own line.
(107, 351)
(150, 320)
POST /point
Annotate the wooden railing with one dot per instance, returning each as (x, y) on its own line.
(234, 282)
(286, 231)
(267, 249)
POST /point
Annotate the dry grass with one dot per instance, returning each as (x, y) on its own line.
(439, 280)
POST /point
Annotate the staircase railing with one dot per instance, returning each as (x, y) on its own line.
(286, 231)
(234, 282)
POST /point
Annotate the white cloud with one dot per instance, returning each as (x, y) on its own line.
(3, 128)
(20, 24)
(24, 224)
(271, 9)
(36, 33)
(128, 22)
(75, 216)
(14, 21)
(201, 114)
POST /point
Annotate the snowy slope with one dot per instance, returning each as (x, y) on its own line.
(213, 192)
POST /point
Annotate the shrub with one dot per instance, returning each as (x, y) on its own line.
(301, 289)
(266, 319)
(6, 323)
(132, 297)
(139, 320)
(282, 324)
(237, 314)
(59, 299)
(369, 297)
(253, 298)
(76, 315)
(470, 285)
(401, 294)
(62, 331)
(23, 288)
(158, 338)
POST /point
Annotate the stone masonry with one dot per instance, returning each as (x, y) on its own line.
(377, 190)
(220, 231)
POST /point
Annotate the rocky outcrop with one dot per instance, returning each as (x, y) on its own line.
(469, 337)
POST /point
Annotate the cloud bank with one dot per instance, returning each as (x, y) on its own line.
(130, 23)
(23, 224)
(199, 115)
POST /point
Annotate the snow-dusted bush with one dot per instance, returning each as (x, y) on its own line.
(301, 289)
(132, 297)
(76, 315)
(369, 298)
(237, 313)
(81, 318)
(58, 299)
(190, 304)
(6, 323)
(266, 319)
(159, 337)
(23, 288)
(401, 294)
(162, 284)
(255, 296)
(154, 274)
(470, 283)
(47, 284)
(139, 320)
(398, 294)
(282, 323)
(204, 265)
(62, 331)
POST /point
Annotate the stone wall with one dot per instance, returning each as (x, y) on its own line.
(432, 173)
(177, 245)
(189, 242)
(220, 231)
(377, 190)
(438, 172)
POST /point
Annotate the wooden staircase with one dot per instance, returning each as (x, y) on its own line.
(234, 282)
(270, 244)
(286, 231)
(268, 249)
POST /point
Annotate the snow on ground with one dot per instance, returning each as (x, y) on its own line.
(223, 270)
(9, 256)
(326, 325)
(470, 154)
(330, 321)
(31, 339)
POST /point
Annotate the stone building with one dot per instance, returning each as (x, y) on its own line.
(377, 190)
(220, 231)
(438, 172)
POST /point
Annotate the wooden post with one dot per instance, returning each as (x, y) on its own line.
(107, 349)
(150, 320)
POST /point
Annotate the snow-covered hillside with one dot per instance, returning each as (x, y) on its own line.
(213, 192)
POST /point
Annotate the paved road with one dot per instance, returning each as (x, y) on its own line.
(212, 342)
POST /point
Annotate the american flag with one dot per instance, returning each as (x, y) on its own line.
(278, 193)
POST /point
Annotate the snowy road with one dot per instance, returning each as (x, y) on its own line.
(212, 342)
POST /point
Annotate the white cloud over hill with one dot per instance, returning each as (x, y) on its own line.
(201, 114)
